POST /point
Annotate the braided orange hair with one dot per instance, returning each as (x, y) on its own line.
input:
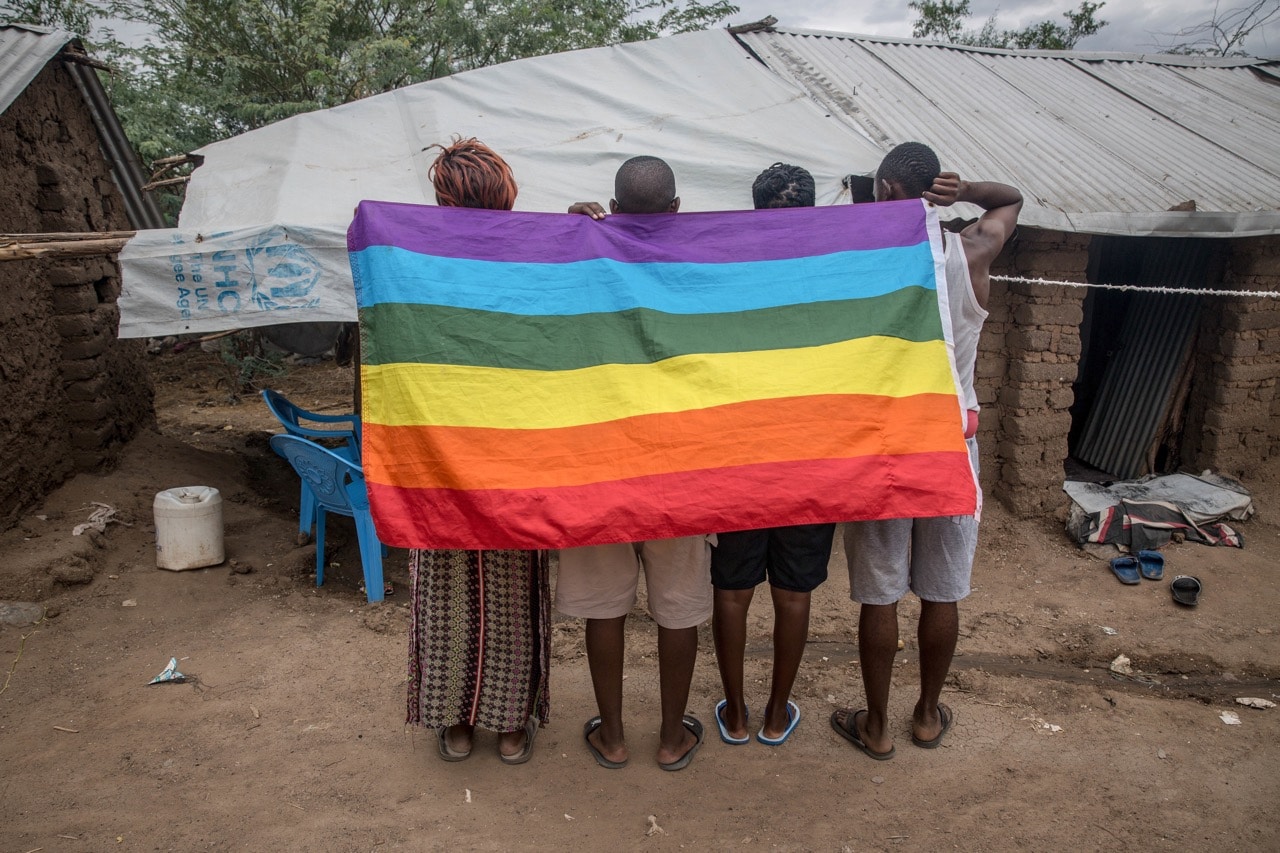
(469, 173)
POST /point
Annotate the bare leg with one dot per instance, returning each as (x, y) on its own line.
(677, 653)
(605, 646)
(790, 632)
(459, 737)
(729, 626)
(510, 743)
(937, 634)
(877, 644)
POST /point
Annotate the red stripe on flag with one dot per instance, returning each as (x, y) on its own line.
(680, 504)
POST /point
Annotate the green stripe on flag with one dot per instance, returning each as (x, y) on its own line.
(398, 333)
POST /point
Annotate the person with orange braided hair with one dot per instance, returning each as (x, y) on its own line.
(479, 629)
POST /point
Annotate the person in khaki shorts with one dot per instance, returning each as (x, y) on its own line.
(598, 582)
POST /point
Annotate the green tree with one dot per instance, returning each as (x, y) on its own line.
(1223, 34)
(945, 20)
(76, 16)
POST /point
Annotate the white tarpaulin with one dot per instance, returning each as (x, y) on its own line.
(266, 214)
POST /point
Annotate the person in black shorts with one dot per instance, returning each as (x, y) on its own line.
(793, 559)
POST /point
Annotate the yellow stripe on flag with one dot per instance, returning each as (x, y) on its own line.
(459, 395)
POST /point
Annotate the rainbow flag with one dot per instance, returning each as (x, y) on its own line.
(536, 380)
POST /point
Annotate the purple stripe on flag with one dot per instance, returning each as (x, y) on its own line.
(552, 238)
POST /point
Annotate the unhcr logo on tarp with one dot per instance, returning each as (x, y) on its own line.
(179, 281)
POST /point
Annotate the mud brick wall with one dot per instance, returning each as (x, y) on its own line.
(73, 392)
(1028, 358)
(1233, 418)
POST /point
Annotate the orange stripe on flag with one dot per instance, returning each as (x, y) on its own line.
(759, 431)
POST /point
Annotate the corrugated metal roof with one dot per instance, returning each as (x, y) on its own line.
(1098, 143)
(25, 50)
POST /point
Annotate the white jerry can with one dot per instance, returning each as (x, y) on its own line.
(188, 528)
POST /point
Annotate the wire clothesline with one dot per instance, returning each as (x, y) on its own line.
(1179, 291)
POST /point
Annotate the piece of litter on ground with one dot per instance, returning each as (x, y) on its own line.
(169, 674)
(877, 780)
(824, 657)
(653, 828)
(1122, 665)
(98, 519)
(256, 715)
(831, 697)
(901, 645)
(1255, 702)
(65, 729)
(467, 797)
(1161, 754)
(129, 602)
(568, 816)
(114, 577)
(1231, 718)
(1110, 632)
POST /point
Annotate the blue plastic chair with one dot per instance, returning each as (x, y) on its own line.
(291, 417)
(336, 484)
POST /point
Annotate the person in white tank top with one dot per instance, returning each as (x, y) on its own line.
(932, 557)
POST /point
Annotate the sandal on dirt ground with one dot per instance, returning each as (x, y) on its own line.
(849, 731)
(530, 729)
(694, 725)
(724, 733)
(1186, 590)
(793, 720)
(590, 726)
(1126, 569)
(944, 714)
(1151, 565)
(447, 752)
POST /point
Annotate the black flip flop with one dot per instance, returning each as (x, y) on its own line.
(590, 726)
(947, 719)
(694, 725)
(851, 734)
(1186, 590)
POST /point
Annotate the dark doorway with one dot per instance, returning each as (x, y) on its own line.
(1136, 353)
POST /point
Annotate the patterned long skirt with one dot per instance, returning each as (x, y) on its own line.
(479, 638)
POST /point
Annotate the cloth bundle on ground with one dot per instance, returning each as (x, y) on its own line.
(1145, 514)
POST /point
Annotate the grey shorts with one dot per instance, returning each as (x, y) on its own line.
(933, 557)
(600, 581)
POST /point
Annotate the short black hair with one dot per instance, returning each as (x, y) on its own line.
(912, 165)
(783, 185)
(644, 184)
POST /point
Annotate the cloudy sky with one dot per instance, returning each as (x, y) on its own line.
(1132, 25)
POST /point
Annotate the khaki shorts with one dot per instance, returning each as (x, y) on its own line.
(600, 581)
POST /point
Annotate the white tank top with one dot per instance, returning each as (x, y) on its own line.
(967, 317)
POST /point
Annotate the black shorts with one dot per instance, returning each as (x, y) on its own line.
(794, 558)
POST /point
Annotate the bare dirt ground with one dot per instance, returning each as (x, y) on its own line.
(290, 734)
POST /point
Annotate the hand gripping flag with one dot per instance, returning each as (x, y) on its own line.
(534, 380)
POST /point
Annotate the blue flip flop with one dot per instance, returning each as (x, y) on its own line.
(1151, 564)
(793, 714)
(724, 733)
(1126, 569)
